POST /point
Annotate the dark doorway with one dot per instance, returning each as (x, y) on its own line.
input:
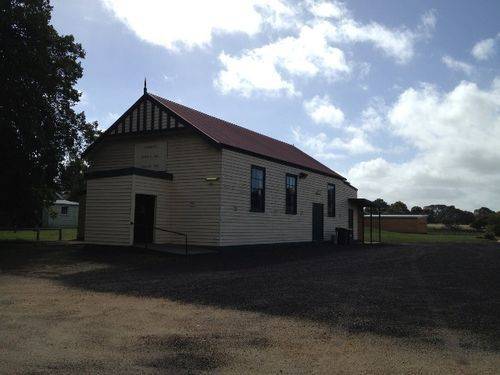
(317, 222)
(351, 218)
(144, 218)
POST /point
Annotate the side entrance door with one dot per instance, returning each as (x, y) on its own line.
(317, 222)
(144, 218)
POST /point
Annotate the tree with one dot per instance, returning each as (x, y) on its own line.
(494, 223)
(39, 128)
(416, 210)
(71, 172)
(481, 218)
(434, 212)
(381, 204)
(483, 212)
(398, 208)
(452, 216)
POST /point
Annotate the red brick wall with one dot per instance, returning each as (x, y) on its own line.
(399, 224)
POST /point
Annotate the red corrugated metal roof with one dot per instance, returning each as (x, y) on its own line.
(234, 136)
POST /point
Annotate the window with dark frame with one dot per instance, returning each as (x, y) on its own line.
(331, 200)
(64, 210)
(257, 189)
(291, 194)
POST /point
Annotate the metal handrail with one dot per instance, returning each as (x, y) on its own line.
(170, 231)
(178, 233)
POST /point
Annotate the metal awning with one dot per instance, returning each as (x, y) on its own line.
(128, 172)
(362, 202)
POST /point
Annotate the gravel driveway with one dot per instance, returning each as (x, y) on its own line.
(383, 309)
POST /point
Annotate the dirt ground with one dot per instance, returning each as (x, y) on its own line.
(386, 309)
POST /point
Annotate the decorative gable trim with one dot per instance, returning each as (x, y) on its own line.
(145, 116)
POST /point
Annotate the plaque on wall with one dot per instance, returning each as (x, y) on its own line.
(151, 155)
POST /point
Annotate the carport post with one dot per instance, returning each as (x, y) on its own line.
(362, 214)
(371, 224)
(379, 227)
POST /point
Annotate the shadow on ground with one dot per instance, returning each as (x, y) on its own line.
(398, 291)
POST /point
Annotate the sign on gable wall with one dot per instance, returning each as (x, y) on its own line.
(151, 156)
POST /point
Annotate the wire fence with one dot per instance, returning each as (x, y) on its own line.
(37, 234)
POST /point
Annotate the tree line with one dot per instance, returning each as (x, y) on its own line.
(482, 218)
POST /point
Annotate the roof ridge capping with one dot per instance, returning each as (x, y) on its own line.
(235, 136)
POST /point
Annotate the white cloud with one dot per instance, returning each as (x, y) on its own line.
(327, 9)
(457, 65)
(484, 49)
(192, 23)
(325, 148)
(168, 78)
(373, 116)
(456, 136)
(318, 145)
(322, 111)
(316, 51)
(427, 22)
(270, 68)
(397, 43)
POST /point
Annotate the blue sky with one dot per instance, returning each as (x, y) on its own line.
(401, 97)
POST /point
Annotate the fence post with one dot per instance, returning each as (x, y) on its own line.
(38, 234)
(186, 239)
(60, 234)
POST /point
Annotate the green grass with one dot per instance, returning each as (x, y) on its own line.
(45, 235)
(433, 236)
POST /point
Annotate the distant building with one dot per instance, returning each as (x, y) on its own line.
(399, 223)
(61, 214)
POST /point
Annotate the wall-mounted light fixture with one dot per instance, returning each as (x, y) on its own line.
(211, 179)
(302, 175)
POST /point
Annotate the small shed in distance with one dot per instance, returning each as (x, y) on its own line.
(61, 214)
(401, 223)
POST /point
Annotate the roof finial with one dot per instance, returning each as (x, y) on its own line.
(145, 86)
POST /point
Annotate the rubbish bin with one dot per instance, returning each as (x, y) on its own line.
(343, 236)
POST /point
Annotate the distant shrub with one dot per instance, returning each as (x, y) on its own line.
(491, 221)
(453, 227)
(494, 223)
(479, 224)
(489, 234)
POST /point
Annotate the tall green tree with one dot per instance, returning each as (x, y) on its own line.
(39, 128)
(398, 208)
(417, 210)
(71, 178)
(381, 204)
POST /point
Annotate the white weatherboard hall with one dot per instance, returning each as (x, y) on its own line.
(163, 168)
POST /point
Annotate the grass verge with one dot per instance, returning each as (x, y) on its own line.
(45, 235)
